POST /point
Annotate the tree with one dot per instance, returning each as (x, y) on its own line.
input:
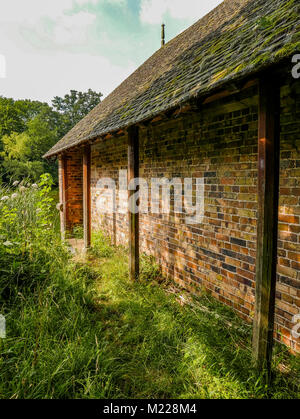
(76, 106)
(15, 114)
(28, 129)
(22, 152)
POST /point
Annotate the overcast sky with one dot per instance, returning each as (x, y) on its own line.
(52, 46)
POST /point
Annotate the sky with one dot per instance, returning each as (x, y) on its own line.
(48, 47)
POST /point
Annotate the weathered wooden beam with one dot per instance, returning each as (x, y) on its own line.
(267, 223)
(63, 193)
(133, 173)
(229, 91)
(87, 196)
(158, 118)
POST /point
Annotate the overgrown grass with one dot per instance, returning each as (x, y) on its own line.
(159, 348)
(80, 329)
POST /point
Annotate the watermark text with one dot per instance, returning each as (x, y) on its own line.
(296, 68)
(159, 196)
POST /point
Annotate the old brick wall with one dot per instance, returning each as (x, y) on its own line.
(108, 158)
(74, 193)
(288, 286)
(219, 144)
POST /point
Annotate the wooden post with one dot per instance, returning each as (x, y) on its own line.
(133, 173)
(63, 194)
(87, 196)
(267, 227)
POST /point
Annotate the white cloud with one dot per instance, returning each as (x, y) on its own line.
(154, 11)
(30, 10)
(46, 76)
(50, 46)
(40, 59)
(73, 29)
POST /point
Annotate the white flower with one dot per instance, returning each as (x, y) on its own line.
(14, 196)
(16, 183)
(22, 188)
(8, 244)
(35, 186)
(4, 198)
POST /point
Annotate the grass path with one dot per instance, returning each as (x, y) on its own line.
(156, 347)
(88, 332)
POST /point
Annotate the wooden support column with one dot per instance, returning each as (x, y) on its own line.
(87, 196)
(133, 173)
(63, 194)
(267, 228)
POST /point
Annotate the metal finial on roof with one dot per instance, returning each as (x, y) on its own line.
(163, 34)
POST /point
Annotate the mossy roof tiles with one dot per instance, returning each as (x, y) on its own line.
(237, 38)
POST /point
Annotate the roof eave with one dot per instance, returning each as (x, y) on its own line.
(247, 73)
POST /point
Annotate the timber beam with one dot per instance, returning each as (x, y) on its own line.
(133, 173)
(267, 220)
(87, 196)
(63, 193)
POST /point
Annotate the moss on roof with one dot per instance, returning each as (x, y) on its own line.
(236, 39)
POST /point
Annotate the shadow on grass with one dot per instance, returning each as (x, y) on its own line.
(160, 349)
(86, 331)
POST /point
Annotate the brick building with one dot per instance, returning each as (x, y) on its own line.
(219, 102)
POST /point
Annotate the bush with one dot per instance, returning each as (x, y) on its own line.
(81, 329)
(30, 246)
(47, 299)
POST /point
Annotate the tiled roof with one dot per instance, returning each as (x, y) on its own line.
(238, 38)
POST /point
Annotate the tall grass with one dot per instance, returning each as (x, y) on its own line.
(78, 328)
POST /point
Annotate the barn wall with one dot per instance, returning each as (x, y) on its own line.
(108, 158)
(74, 216)
(219, 144)
(288, 286)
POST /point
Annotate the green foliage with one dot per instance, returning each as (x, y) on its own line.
(77, 232)
(149, 270)
(101, 246)
(23, 169)
(23, 152)
(15, 114)
(75, 106)
(78, 328)
(28, 129)
(28, 238)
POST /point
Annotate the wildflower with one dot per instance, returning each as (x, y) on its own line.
(22, 188)
(4, 198)
(16, 183)
(8, 244)
(14, 196)
(34, 186)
